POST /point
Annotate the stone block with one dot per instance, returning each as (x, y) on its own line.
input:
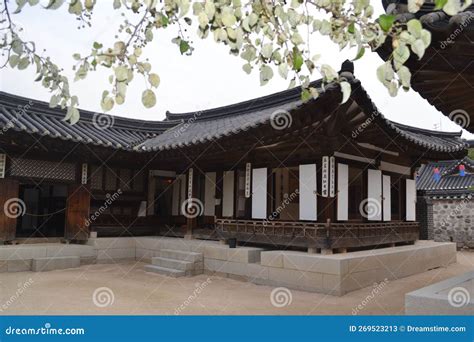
(116, 254)
(244, 254)
(300, 280)
(218, 252)
(55, 263)
(3, 266)
(272, 258)
(19, 265)
(311, 262)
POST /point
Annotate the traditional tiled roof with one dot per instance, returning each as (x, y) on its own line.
(450, 182)
(35, 117)
(181, 130)
(212, 124)
(444, 76)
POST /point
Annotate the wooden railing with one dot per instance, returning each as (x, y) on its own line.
(318, 235)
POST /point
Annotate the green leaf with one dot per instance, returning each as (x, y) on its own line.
(183, 46)
(297, 60)
(148, 98)
(121, 73)
(283, 70)
(154, 80)
(414, 27)
(107, 103)
(360, 53)
(266, 74)
(23, 63)
(351, 28)
(386, 21)
(440, 4)
(14, 59)
(418, 47)
(405, 76)
(54, 4)
(401, 54)
(54, 101)
(247, 67)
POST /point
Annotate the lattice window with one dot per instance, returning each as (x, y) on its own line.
(138, 181)
(125, 179)
(96, 177)
(42, 169)
(3, 161)
(110, 179)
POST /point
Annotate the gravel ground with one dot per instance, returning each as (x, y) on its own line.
(126, 289)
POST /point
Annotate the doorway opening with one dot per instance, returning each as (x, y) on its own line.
(45, 211)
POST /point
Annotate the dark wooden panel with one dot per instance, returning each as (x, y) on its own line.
(77, 213)
(8, 191)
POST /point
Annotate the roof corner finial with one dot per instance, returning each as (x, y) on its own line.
(347, 66)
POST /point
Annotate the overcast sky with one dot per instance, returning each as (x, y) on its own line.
(209, 78)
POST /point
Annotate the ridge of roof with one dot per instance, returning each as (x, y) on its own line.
(235, 109)
(15, 102)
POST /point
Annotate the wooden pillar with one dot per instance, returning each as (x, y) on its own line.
(10, 208)
(192, 195)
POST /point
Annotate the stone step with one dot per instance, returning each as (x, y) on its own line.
(181, 255)
(55, 263)
(165, 271)
(173, 263)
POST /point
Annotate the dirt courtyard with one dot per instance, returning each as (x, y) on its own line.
(127, 289)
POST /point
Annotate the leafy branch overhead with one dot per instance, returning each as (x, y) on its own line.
(272, 37)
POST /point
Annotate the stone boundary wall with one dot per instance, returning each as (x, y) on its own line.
(453, 221)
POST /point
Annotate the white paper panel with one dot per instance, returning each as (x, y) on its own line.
(411, 200)
(387, 200)
(228, 194)
(307, 190)
(373, 207)
(259, 193)
(342, 192)
(210, 194)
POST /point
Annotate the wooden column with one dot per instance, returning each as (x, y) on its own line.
(9, 191)
(192, 189)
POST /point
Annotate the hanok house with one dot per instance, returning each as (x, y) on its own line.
(445, 74)
(273, 171)
(445, 201)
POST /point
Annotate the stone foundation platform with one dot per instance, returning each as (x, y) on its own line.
(335, 274)
(453, 296)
